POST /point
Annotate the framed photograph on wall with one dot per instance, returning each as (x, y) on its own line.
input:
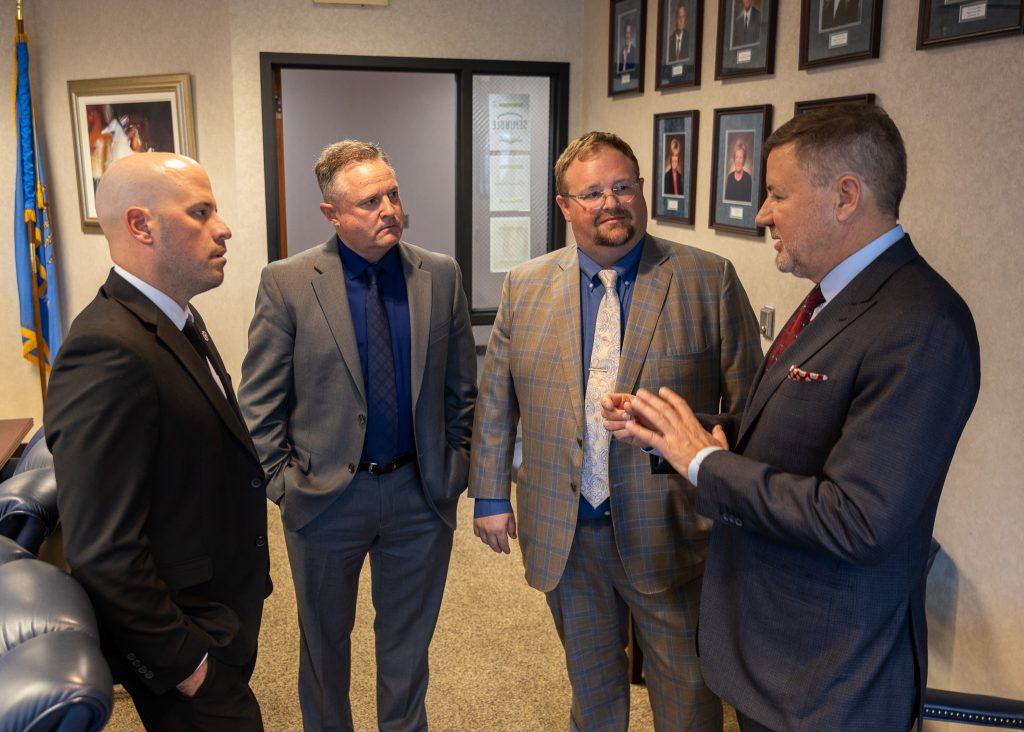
(807, 106)
(626, 35)
(675, 165)
(746, 38)
(837, 31)
(680, 32)
(957, 21)
(112, 118)
(737, 177)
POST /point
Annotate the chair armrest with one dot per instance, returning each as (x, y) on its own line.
(977, 709)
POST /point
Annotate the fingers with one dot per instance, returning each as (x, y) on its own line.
(719, 434)
(510, 527)
(495, 531)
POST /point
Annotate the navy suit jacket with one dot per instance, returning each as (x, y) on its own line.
(812, 613)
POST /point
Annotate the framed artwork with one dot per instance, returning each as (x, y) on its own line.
(626, 35)
(957, 21)
(737, 177)
(112, 118)
(837, 31)
(746, 38)
(807, 106)
(675, 165)
(680, 26)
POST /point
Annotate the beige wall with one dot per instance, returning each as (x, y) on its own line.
(961, 112)
(959, 107)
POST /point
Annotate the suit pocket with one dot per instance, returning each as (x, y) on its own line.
(187, 574)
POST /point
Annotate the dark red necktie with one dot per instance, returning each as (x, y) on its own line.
(796, 324)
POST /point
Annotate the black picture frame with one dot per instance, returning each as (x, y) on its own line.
(678, 59)
(807, 105)
(735, 203)
(626, 34)
(958, 21)
(838, 33)
(746, 47)
(675, 135)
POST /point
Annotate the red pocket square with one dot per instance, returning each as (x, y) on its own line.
(800, 375)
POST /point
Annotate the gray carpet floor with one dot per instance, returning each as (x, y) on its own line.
(495, 663)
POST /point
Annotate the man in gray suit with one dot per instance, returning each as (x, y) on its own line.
(812, 611)
(358, 389)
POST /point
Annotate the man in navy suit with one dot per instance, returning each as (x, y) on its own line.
(824, 490)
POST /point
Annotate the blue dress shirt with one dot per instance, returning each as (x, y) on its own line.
(591, 294)
(396, 303)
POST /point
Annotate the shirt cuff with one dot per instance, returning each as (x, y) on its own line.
(694, 468)
(491, 507)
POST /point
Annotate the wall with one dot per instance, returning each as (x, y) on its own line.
(218, 42)
(962, 116)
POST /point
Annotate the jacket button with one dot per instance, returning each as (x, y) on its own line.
(351, 467)
(149, 674)
(261, 541)
(573, 486)
(130, 656)
(256, 482)
(362, 420)
(136, 663)
(143, 669)
(579, 441)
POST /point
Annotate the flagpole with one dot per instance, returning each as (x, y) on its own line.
(30, 237)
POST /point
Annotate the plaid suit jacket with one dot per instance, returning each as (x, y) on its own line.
(690, 327)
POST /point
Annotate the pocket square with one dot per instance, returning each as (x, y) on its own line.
(796, 374)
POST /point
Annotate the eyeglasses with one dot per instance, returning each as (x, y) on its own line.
(593, 200)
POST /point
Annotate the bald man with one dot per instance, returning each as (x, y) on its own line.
(160, 490)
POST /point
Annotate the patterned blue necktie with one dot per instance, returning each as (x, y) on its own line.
(381, 389)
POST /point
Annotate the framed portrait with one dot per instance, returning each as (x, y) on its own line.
(746, 38)
(680, 25)
(737, 179)
(807, 106)
(675, 165)
(837, 31)
(626, 46)
(957, 21)
(112, 118)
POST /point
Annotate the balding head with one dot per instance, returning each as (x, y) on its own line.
(160, 218)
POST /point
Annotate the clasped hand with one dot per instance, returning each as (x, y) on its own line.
(663, 421)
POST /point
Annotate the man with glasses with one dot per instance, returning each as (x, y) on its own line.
(601, 535)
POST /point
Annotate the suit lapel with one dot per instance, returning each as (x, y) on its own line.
(194, 364)
(418, 290)
(859, 296)
(649, 292)
(565, 294)
(328, 283)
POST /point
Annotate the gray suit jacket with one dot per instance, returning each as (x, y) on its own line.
(690, 327)
(302, 391)
(812, 612)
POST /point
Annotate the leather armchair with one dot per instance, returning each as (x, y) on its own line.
(52, 673)
(28, 507)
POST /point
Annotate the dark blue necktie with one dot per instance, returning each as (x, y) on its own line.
(381, 389)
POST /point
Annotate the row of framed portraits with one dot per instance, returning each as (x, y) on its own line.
(737, 179)
(831, 32)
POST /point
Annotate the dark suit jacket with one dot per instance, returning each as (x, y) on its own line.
(302, 388)
(684, 46)
(749, 34)
(666, 189)
(848, 13)
(738, 190)
(160, 491)
(812, 613)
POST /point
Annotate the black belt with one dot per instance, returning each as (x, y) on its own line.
(378, 469)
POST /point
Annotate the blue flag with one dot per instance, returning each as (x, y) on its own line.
(37, 277)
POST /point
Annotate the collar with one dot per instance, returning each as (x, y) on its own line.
(164, 302)
(627, 266)
(844, 272)
(354, 264)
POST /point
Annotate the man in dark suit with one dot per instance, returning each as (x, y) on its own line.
(812, 613)
(746, 25)
(679, 37)
(358, 388)
(159, 486)
(627, 50)
(839, 13)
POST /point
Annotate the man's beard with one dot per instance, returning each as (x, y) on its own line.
(603, 241)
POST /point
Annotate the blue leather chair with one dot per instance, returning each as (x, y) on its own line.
(28, 507)
(52, 675)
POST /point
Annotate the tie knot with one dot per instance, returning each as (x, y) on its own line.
(372, 274)
(608, 278)
(814, 298)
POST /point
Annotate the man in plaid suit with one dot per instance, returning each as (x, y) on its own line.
(685, 321)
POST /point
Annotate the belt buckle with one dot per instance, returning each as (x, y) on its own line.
(375, 469)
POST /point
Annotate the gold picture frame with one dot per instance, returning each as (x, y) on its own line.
(114, 117)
